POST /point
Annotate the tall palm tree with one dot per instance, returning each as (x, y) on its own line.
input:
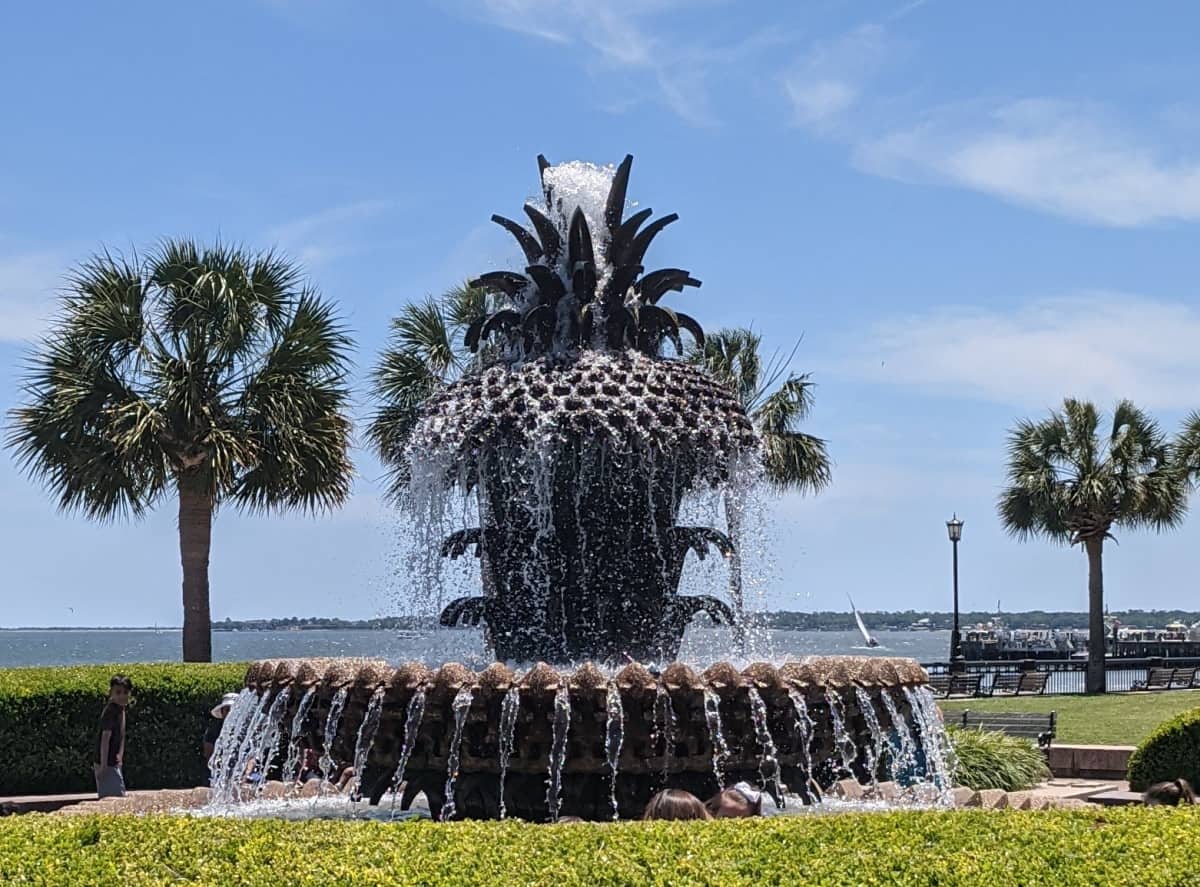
(211, 372)
(424, 352)
(777, 402)
(1074, 482)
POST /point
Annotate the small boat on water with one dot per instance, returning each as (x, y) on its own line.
(867, 639)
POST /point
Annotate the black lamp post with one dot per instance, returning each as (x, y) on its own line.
(957, 662)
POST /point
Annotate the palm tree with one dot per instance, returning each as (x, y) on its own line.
(426, 350)
(1074, 482)
(777, 401)
(212, 372)
(1187, 448)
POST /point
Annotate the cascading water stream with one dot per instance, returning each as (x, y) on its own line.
(242, 760)
(364, 740)
(227, 744)
(293, 762)
(804, 733)
(332, 720)
(460, 706)
(558, 750)
(934, 742)
(509, 709)
(412, 725)
(664, 725)
(842, 740)
(768, 757)
(904, 749)
(266, 752)
(712, 717)
(874, 752)
(614, 738)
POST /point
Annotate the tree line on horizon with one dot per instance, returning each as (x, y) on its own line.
(216, 375)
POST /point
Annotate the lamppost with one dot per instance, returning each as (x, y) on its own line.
(957, 662)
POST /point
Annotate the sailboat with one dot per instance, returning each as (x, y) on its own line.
(867, 639)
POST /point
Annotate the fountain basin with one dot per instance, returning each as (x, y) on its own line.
(585, 742)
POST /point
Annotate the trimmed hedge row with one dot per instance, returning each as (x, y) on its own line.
(49, 719)
(1150, 847)
(1171, 751)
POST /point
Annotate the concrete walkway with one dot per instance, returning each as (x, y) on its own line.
(43, 803)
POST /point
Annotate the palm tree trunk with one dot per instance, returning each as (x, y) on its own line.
(733, 524)
(1096, 634)
(195, 539)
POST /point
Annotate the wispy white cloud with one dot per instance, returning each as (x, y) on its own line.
(826, 83)
(28, 284)
(1060, 157)
(328, 234)
(625, 35)
(1098, 345)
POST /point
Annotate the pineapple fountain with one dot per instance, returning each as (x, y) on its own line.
(577, 437)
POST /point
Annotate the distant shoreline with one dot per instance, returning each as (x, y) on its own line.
(908, 620)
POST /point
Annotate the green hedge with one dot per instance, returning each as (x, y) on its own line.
(1171, 751)
(1150, 847)
(49, 718)
(986, 759)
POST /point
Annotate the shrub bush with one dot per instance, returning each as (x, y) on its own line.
(1171, 751)
(986, 759)
(1148, 847)
(49, 719)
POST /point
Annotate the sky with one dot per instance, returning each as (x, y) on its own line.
(962, 212)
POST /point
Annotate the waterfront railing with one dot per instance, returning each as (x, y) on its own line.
(1065, 676)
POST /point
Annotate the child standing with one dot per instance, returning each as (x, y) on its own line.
(110, 748)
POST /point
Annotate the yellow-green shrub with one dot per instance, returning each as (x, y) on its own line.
(1147, 847)
(49, 718)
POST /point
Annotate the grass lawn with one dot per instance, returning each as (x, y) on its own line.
(1115, 719)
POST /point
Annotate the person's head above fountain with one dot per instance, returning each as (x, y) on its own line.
(222, 708)
(675, 803)
(734, 803)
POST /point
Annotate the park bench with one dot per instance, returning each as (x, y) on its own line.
(1157, 679)
(1183, 677)
(954, 684)
(1012, 683)
(1036, 727)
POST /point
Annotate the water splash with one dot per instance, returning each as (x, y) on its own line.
(365, 739)
(904, 750)
(614, 738)
(874, 752)
(509, 709)
(241, 760)
(768, 757)
(712, 717)
(664, 727)
(934, 742)
(412, 725)
(222, 762)
(290, 773)
(264, 755)
(842, 740)
(558, 750)
(460, 706)
(804, 734)
(332, 720)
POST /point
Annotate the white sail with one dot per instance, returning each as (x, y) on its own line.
(867, 639)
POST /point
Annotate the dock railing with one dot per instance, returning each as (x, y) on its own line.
(1067, 675)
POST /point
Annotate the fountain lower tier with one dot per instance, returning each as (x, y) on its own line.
(547, 743)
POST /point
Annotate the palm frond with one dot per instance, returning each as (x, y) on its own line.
(1187, 448)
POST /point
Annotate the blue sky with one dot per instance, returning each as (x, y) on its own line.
(968, 211)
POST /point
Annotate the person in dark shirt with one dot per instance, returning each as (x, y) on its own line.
(110, 747)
